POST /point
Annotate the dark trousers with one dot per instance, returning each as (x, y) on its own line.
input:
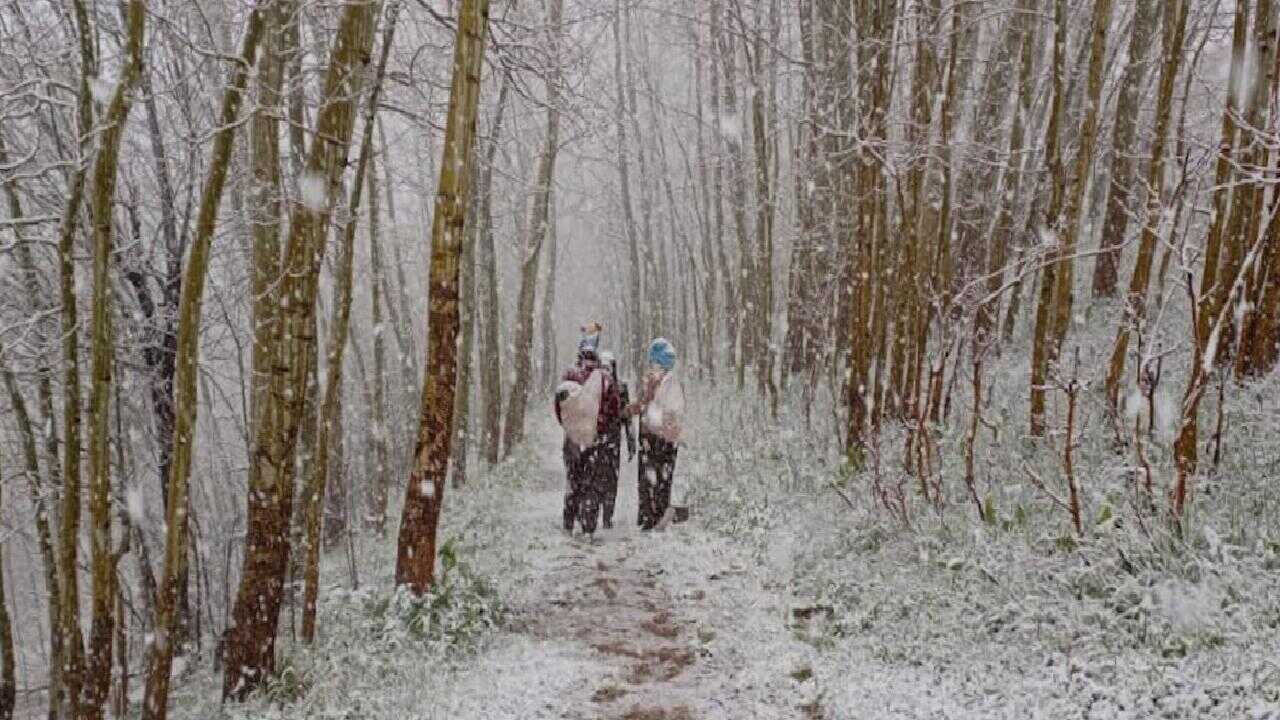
(657, 467)
(582, 495)
(611, 465)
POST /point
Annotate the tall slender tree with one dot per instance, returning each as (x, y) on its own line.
(537, 229)
(1043, 353)
(327, 431)
(102, 202)
(8, 673)
(1120, 191)
(72, 670)
(250, 641)
(491, 354)
(1175, 23)
(424, 494)
(186, 399)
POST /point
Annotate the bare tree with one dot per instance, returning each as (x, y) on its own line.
(250, 642)
(98, 666)
(338, 331)
(416, 549)
(186, 400)
(537, 228)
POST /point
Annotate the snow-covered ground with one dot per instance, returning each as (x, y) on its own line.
(780, 600)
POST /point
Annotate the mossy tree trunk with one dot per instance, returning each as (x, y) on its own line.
(424, 494)
(250, 640)
(186, 399)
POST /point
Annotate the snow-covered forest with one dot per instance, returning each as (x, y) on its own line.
(975, 303)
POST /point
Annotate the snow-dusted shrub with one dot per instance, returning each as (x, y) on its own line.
(458, 610)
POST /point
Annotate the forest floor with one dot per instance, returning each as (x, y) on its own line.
(670, 618)
(778, 600)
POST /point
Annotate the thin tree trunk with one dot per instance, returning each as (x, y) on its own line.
(380, 483)
(8, 675)
(986, 322)
(1073, 212)
(73, 641)
(1120, 190)
(186, 398)
(8, 681)
(762, 263)
(963, 42)
(729, 303)
(491, 353)
(549, 359)
(522, 348)
(1175, 22)
(250, 641)
(424, 494)
(466, 345)
(98, 666)
(634, 271)
(1043, 355)
(708, 314)
(740, 349)
(1258, 331)
(159, 353)
(339, 326)
(1248, 208)
(31, 455)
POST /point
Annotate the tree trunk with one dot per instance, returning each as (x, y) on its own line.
(959, 62)
(159, 353)
(860, 245)
(186, 398)
(1120, 190)
(708, 315)
(1043, 354)
(31, 456)
(729, 303)
(1072, 213)
(634, 270)
(549, 359)
(98, 665)
(73, 641)
(8, 679)
(1023, 37)
(379, 484)
(339, 325)
(1212, 292)
(424, 494)
(250, 641)
(491, 353)
(522, 348)
(762, 262)
(466, 345)
(740, 348)
(1175, 22)
(1248, 209)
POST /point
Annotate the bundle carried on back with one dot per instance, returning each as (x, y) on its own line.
(664, 415)
(580, 407)
(664, 409)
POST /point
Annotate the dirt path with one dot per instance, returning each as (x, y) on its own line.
(676, 621)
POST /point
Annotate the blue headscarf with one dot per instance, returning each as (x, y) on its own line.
(662, 353)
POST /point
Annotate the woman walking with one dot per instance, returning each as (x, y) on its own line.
(661, 408)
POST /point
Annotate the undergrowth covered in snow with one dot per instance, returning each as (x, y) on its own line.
(803, 590)
(944, 614)
(385, 654)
